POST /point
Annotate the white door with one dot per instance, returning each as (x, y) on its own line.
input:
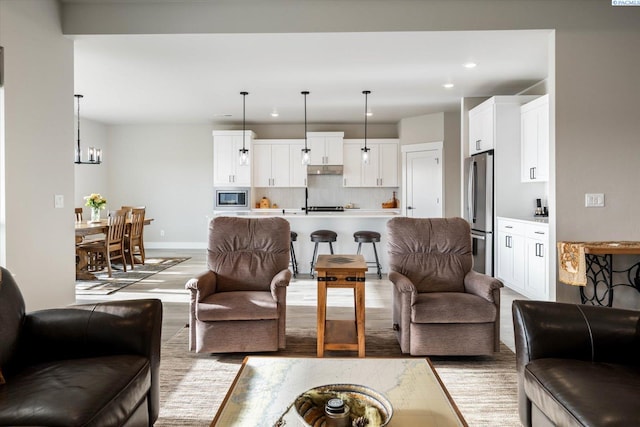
(423, 178)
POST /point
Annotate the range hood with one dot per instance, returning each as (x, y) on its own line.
(324, 169)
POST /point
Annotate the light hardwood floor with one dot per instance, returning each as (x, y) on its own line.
(168, 286)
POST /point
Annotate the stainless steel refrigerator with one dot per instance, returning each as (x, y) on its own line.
(479, 209)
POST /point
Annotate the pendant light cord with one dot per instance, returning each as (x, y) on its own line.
(366, 96)
(366, 108)
(78, 117)
(305, 93)
(244, 97)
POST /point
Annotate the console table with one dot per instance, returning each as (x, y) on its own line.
(596, 270)
(341, 271)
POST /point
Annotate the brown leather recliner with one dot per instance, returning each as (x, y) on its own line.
(440, 305)
(85, 365)
(239, 303)
(578, 365)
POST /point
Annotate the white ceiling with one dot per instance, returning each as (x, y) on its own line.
(198, 78)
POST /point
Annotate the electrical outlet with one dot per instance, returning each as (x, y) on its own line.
(58, 201)
(161, 233)
(594, 200)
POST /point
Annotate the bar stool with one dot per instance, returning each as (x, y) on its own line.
(321, 236)
(294, 261)
(372, 237)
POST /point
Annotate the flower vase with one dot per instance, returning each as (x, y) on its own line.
(95, 214)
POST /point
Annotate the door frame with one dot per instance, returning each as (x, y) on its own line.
(412, 148)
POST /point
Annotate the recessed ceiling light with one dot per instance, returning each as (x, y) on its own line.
(369, 113)
(447, 85)
(470, 65)
(274, 113)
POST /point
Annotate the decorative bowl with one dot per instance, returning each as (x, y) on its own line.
(310, 404)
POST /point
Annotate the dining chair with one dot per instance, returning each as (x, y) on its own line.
(130, 208)
(112, 247)
(133, 240)
(79, 239)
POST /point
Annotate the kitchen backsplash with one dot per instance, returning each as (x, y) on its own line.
(327, 190)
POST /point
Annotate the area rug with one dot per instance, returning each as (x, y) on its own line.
(193, 386)
(105, 285)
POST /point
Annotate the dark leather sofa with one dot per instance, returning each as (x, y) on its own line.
(578, 365)
(85, 365)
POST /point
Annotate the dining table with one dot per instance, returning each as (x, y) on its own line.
(89, 228)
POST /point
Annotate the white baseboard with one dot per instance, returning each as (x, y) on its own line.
(175, 245)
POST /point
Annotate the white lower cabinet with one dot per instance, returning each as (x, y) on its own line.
(522, 257)
(511, 254)
(537, 261)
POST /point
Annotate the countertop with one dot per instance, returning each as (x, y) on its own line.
(298, 213)
(536, 219)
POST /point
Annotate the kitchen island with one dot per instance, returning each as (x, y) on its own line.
(343, 223)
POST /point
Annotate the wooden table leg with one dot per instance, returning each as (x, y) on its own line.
(322, 315)
(360, 318)
(82, 265)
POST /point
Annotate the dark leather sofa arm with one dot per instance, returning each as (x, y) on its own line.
(571, 331)
(117, 327)
(108, 328)
(575, 331)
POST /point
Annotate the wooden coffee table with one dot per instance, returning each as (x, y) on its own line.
(341, 271)
(265, 387)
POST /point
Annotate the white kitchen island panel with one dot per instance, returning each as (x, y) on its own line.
(343, 223)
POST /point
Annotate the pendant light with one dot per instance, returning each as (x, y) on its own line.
(306, 157)
(365, 150)
(244, 153)
(94, 155)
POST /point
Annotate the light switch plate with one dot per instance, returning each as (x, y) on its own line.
(58, 201)
(594, 200)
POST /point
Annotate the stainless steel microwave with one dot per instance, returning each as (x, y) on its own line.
(232, 199)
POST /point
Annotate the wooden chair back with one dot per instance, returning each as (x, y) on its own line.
(131, 208)
(137, 223)
(117, 221)
(78, 214)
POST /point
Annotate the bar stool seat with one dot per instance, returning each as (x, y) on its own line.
(321, 236)
(294, 260)
(365, 236)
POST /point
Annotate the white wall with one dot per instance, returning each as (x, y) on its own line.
(419, 129)
(38, 158)
(437, 127)
(597, 146)
(168, 169)
(296, 131)
(452, 182)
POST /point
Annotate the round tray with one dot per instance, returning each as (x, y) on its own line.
(310, 404)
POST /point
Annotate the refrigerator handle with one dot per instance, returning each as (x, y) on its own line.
(474, 196)
(470, 193)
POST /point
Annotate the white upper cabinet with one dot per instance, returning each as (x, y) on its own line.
(271, 165)
(535, 140)
(278, 163)
(382, 170)
(227, 170)
(481, 127)
(298, 171)
(326, 147)
(352, 171)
